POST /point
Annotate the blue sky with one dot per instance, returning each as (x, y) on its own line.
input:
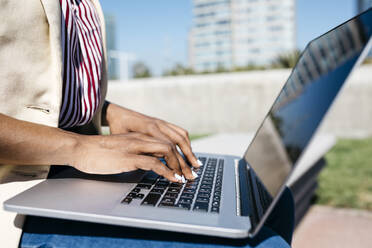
(156, 31)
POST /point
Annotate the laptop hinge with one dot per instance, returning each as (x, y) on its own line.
(246, 199)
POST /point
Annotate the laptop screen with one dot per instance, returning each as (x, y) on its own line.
(304, 100)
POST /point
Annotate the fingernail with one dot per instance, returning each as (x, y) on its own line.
(183, 179)
(199, 162)
(178, 177)
(194, 174)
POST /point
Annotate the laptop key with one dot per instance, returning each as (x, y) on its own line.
(171, 195)
(185, 200)
(191, 191)
(175, 185)
(184, 206)
(167, 204)
(151, 199)
(201, 206)
(187, 195)
(139, 196)
(216, 198)
(204, 195)
(205, 191)
(168, 200)
(160, 187)
(209, 175)
(132, 195)
(157, 191)
(192, 183)
(136, 190)
(173, 190)
(202, 199)
(207, 182)
(127, 200)
(143, 186)
(202, 159)
(194, 187)
(207, 179)
(215, 209)
(161, 184)
(206, 186)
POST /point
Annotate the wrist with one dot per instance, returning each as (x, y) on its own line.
(70, 148)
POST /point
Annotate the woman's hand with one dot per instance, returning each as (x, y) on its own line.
(127, 152)
(122, 120)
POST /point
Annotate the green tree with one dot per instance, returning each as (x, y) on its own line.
(221, 68)
(286, 60)
(141, 70)
(249, 67)
(179, 69)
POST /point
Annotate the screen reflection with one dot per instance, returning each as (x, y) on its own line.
(297, 112)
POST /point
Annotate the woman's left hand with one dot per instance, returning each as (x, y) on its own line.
(122, 120)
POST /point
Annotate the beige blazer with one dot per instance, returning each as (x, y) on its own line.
(31, 88)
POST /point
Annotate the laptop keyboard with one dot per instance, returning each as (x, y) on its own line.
(202, 194)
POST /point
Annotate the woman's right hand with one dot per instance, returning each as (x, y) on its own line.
(123, 153)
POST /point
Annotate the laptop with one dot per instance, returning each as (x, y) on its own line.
(233, 196)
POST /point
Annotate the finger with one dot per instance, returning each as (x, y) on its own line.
(182, 143)
(182, 168)
(156, 132)
(181, 131)
(160, 149)
(151, 163)
(186, 170)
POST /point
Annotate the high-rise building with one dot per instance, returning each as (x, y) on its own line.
(236, 33)
(113, 63)
(364, 5)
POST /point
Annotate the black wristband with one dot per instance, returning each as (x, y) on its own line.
(104, 111)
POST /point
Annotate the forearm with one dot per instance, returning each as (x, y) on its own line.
(33, 144)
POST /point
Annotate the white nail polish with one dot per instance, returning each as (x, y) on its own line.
(178, 177)
(194, 174)
(199, 162)
(183, 179)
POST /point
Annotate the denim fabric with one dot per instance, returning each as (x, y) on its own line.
(55, 233)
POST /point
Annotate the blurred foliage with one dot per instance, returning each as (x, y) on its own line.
(249, 67)
(286, 60)
(141, 70)
(177, 70)
(368, 61)
(346, 181)
(198, 136)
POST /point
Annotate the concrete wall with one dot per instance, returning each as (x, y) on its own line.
(237, 102)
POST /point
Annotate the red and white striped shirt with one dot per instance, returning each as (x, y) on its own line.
(82, 60)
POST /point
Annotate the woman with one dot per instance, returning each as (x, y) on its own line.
(53, 85)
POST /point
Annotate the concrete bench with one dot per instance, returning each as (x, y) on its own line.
(303, 181)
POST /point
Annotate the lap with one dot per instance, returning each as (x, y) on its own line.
(47, 232)
(114, 237)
